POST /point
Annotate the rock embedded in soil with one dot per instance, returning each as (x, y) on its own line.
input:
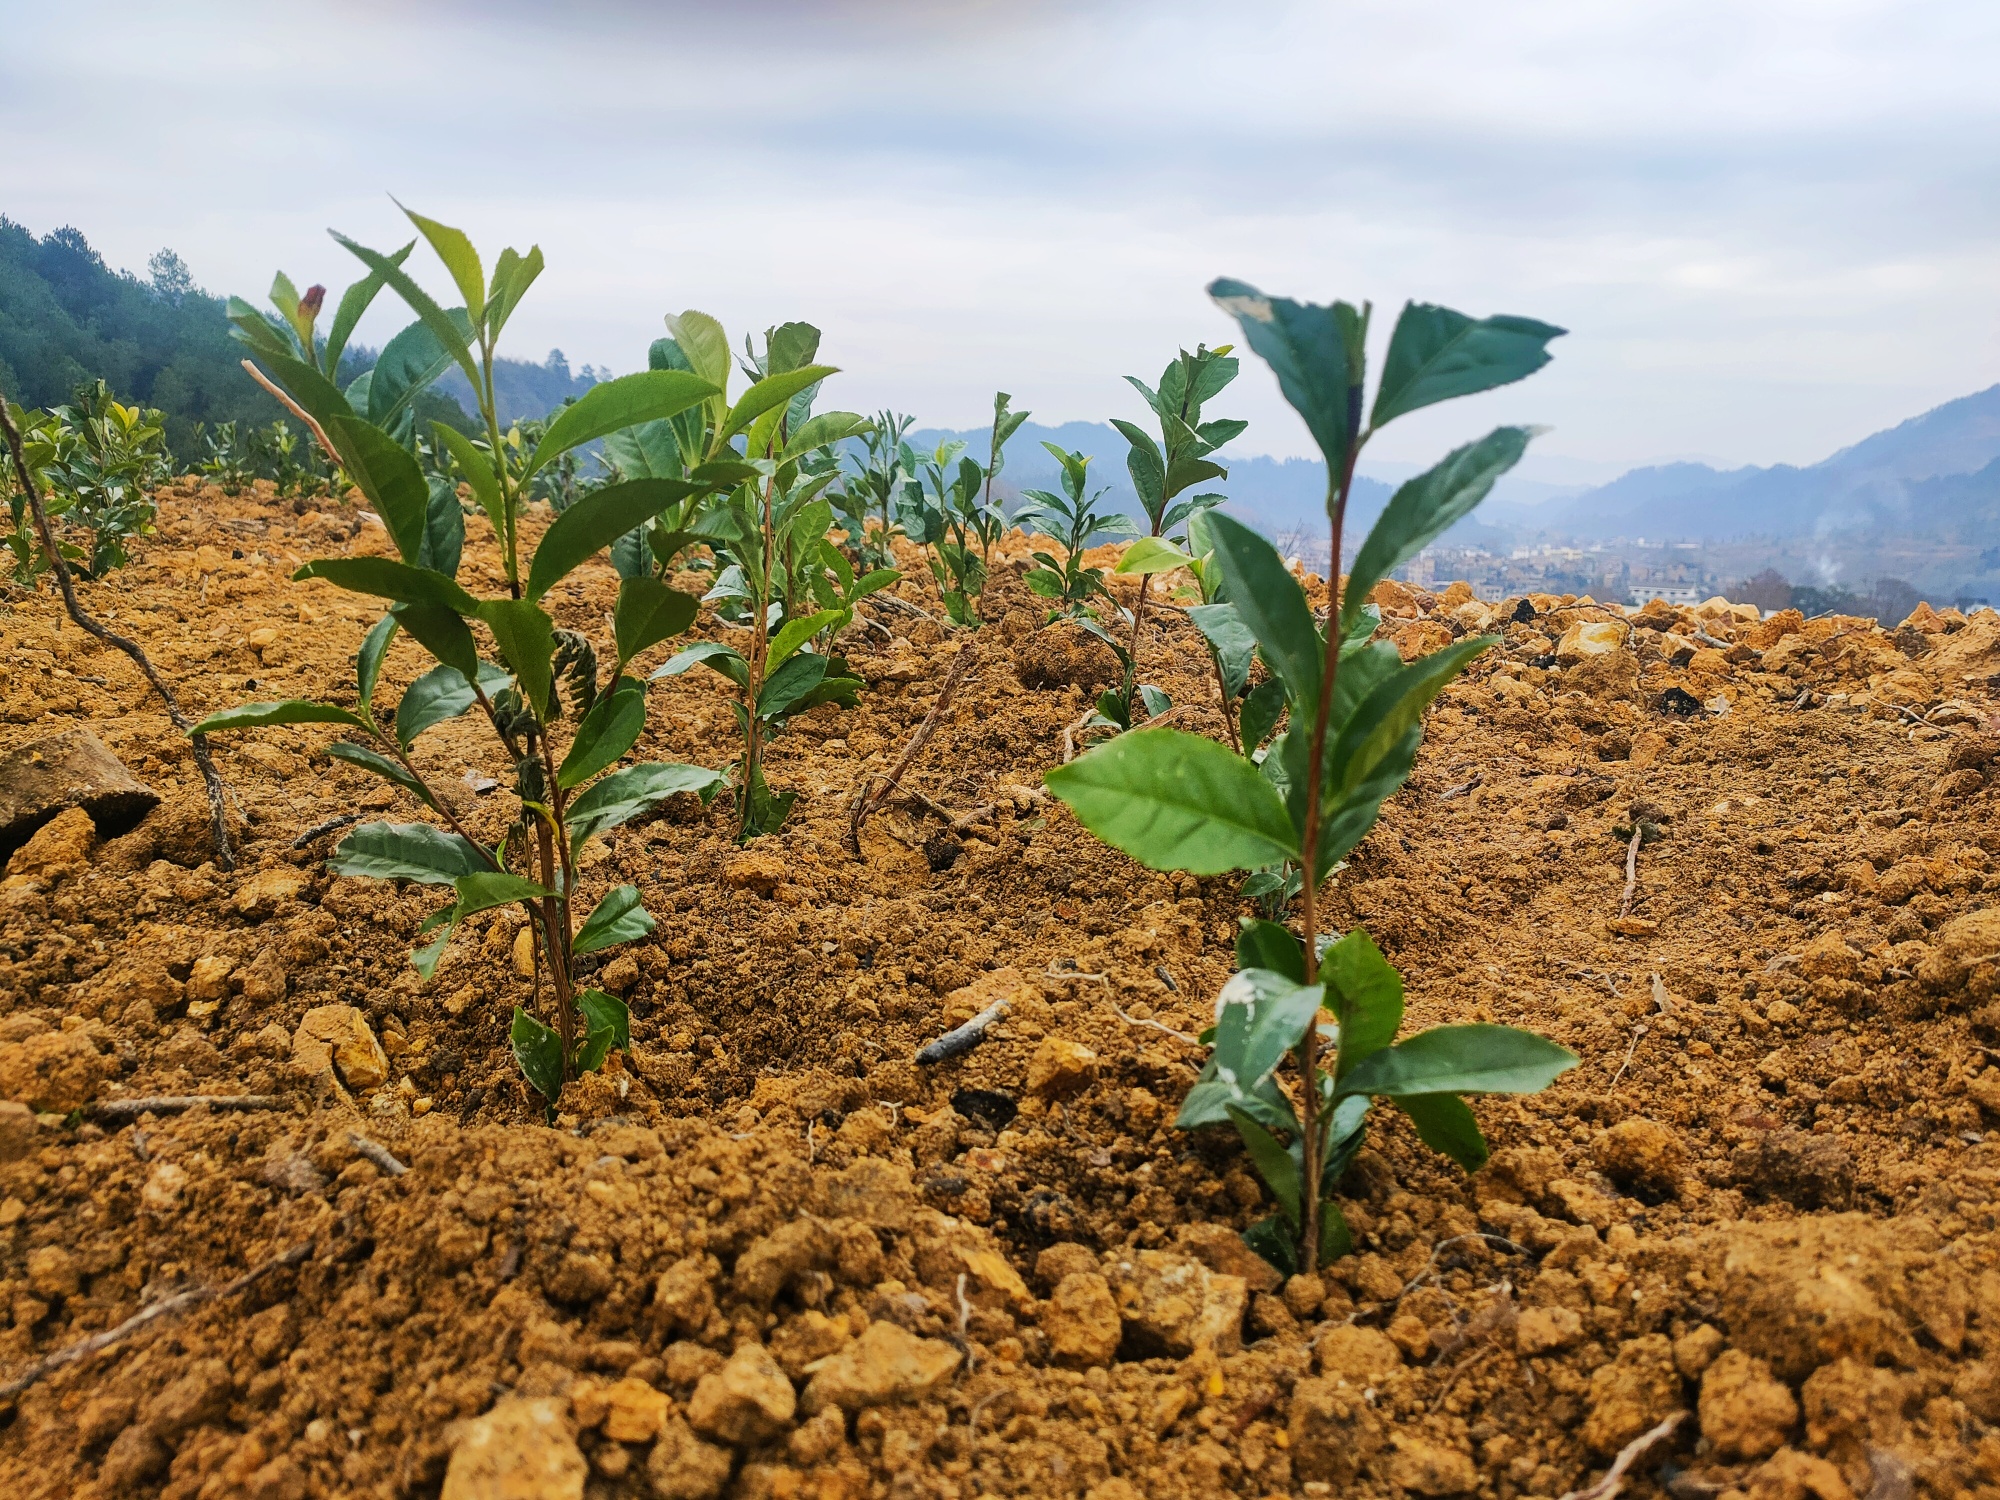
(887, 1364)
(1173, 1305)
(70, 769)
(1634, 1392)
(520, 1450)
(338, 1037)
(1061, 1068)
(59, 848)
(1746, 1412)
(748, 1400)
(1081, 1322)
(1641, 1154)
(53, 1072)
(683, 1467)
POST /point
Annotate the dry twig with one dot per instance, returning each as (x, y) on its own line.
(376, 1152)
(166, 1307)
(1155, 1025)
(964, 1038)
(296, 410)
(868, 800)
(329, 826)
(1631, 867)
(218, 821)
(118, 1111)
(1614, 1477)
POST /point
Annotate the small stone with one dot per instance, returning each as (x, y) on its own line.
(1641, 1154)
(748, 1400)
(1333, 1432)
(818, 1439)
(620, 974)
(59, 847)
(886, 1364)
(199, 1395)
(1221, 1248)
(1542, 1330)
(1427, 1469)
(1588, 638)
(1410, 1334)
(524, 953)
(683, 1467)
(754, 871)
(1695, 1350)
(1061, 1068)
(1359, 1356)
(267, 890)
(633, 1411)
(520, 1450)
(262, 981)
(1066, 1258)
(337, 1036)
(1303, 1295)
(164, 1185)
(71, 769)
(208, 979)
(53, 1272)
(1081, 1322)
(807, 1339)
(1745, 1412)
(1172, 1304)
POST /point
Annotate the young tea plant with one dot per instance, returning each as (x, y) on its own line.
(869, 492)
(563, 723)
(1353, 722)
(97, 461)
(1074, 521)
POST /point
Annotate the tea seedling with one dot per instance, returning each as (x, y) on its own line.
(563, 724)
(1352, 725)
(97, 460)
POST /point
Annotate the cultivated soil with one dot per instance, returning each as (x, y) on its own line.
(771, 1255)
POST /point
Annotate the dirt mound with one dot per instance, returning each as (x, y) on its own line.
(771, 1255)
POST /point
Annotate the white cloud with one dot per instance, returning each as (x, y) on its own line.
(1770, 224)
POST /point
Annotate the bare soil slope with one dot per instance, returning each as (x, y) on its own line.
(773, 1256)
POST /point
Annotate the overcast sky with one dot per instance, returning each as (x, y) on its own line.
(1773, 226)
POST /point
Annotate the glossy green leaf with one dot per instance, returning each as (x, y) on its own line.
(714, 655)
(649, 612)
(1336, 1239)
(420, 302)
(1276, 1242)
(1423, 508)
(389, 476)
(1230, 639)
(1436, 354)
(290, 711)
(484, 889)
(828, 427)
(377, 764)
(407, 367)
(1388, 713)
(1366, 994)
(1273, 1162)
(407, 851)
(618, 918)
(625, 794)
(607, 1024)
(1445, 1123)
(512, 276)
(460, 259)
(443, 544)
(612, 727)
(768, 394)
(442, 693)
(1271, 604)
(1475, 1059)
(1266, 945)
(479, 474)
(1260, 1016)
(1262, 709)
(1316, 353)
(1177, 801)
(368, 660)
(526, 639)
(788, 685)
(595, 522)
(442, 632)
(538, 1050)
(1152, 554)
(385, 578)
(425, 960)
(353, 303)
(794, 633)
(646, 396)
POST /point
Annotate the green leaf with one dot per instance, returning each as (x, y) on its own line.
(353, 303)
(1445, 1123)
(714, 655)
(1335, 1238)
(1277, 1242)
(788, 684)
(1316, 353)
(291, 711)
(407, 367)
(828, 427)
(426, 959)
(618, 918)
(1234, 646)
(1436, 354)
(1260, 1016)
(1266, 945)
(484, 889)
(420, 302)
(612, 727)
(1272, 605)
(767, 395)
(1152, 554)
(380, 765)
(512, 277)
(480, 477)
(625, 794)
(1476, 1059)
(794, 633)
(443, 633)
(1177, 801)
(1262, 709)
(385, 578)
(627, 401)
(596, 521)
(1273, 1162)
(527, 641)
(649, 612)
(442, 693)
(368, 660)
(539, 1052)
(407, 851)
(389, 476)
(444, 528)
(1394, 708)
(320, 397)
(1367, 996)
(460, 259)
(1425, 507)
(607, 1013)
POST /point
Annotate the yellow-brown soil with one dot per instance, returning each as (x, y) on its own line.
(1766, 1199)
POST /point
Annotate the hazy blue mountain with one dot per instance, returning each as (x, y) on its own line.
(1901, 479)
(524, 391)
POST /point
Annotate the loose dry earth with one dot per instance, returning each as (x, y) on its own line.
(772, 1256)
